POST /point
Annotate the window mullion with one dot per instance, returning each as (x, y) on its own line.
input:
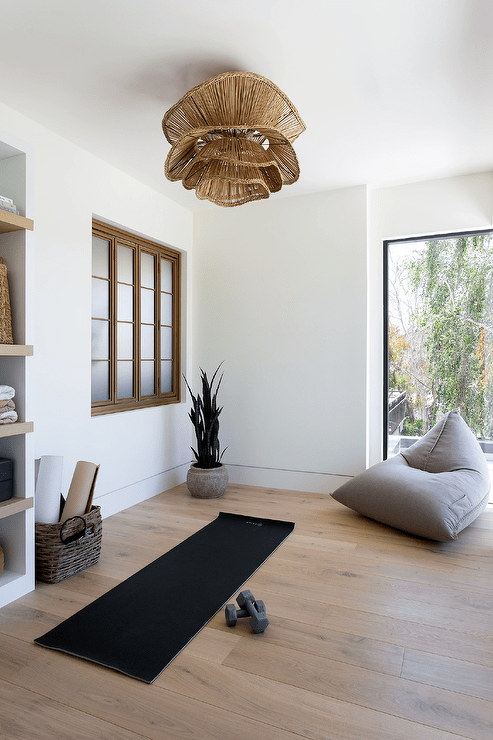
(176, 324)
(158, 326)
(113, 293)
(137, 314)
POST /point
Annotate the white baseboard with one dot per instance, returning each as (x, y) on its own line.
(114, 501)
(290, 480)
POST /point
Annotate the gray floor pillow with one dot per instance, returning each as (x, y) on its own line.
(433, 489)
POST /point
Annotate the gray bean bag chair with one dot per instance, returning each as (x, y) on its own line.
(434, 489)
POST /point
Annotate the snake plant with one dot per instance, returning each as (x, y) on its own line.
(204, 416)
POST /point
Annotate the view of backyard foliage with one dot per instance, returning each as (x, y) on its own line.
(440, 332)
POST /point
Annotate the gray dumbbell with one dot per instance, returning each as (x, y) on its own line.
(254, 609)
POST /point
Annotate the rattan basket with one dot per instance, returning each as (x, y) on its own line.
(5, 315)
(66, 548)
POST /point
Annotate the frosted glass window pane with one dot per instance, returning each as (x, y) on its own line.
(166, 343)
(147, 270)
(100, 372)
(166, 309)
(147, 306)
(100, 257)
(100, 299)
(147, 342)
(125, 272)
(100, 344)
(125, 310)
(125, 380)
(166, 276)
(125, 341)
(166, 377)
(147, 387)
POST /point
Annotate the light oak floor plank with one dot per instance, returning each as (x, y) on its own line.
(444, 710)
(307, 713)
(448, 673)
(31, 716)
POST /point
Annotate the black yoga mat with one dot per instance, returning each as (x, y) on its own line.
(139, 626)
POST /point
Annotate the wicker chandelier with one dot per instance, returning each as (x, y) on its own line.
(231, 139)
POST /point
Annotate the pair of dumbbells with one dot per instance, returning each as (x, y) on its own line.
(248, 608)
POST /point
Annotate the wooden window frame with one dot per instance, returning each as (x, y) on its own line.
(116, 236)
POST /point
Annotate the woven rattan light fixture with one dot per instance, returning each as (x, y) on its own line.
(231, 139)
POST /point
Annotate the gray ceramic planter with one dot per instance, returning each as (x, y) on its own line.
(207, 482)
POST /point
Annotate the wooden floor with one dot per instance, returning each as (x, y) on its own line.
(373, 635)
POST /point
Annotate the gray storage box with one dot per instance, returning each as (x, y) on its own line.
(6, 479)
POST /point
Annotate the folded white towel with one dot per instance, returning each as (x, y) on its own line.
(8, 417)
(6, 392)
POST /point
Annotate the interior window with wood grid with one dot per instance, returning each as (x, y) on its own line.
(135, 322)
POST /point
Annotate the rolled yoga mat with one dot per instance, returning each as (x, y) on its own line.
(81, 488)
(48, 471)
(139, 626)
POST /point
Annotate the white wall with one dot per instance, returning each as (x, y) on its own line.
(141, 452)
(419, 209)
(279, 292)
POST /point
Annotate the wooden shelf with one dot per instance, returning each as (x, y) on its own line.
(18, 427)
(16, 350)
(13, 222)
(14, 506)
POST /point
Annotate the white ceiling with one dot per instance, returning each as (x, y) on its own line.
(391, 91)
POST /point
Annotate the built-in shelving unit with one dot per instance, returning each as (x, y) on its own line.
(17, 513)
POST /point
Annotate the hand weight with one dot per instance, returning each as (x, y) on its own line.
(248, 608)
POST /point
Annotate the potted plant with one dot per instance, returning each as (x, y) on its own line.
(207, 477)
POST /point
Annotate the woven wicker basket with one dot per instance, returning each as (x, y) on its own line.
(5, 315)
(66, 548)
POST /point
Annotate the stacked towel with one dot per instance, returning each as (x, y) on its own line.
(6, 393)
(8, 414)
